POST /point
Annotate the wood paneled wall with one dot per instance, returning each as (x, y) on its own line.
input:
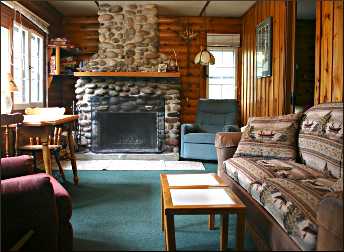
(193, 79)
(83, 31)
(329, 51)
(263, 96)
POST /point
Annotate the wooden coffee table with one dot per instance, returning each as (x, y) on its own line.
(197, 198)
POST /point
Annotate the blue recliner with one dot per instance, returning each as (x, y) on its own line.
(197, 140)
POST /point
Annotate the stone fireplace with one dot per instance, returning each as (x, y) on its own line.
(122, 114)
(128, 39)
(116, 99)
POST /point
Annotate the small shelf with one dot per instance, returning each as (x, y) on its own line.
(129, 74)
(62, 74)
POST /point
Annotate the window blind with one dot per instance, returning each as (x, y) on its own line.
(223, 40)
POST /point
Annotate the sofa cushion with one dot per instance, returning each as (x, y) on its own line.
(248, 170)
(270, 137)
(321, 138)
(206, 138)
(294, 204)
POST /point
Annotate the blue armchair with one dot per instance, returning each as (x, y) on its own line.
(197, 140)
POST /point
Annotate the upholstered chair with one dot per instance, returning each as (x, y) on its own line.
(35, 209)
(197, 140)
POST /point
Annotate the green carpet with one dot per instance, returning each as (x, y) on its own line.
(120, 210)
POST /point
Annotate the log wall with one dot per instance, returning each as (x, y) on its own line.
(83, 31)
(329, 51)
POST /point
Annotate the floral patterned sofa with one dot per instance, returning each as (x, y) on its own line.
(288, 170)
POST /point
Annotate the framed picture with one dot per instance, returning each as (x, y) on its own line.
(264, 48)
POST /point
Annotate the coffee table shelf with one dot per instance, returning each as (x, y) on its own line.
(197, 199)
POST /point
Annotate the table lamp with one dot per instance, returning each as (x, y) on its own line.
(6, 101)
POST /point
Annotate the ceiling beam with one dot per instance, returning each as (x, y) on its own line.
(204, 7)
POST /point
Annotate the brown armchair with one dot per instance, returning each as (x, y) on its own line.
(33, 206)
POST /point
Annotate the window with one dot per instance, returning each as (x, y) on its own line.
(5, 58)
(222, 75)
(27, 67)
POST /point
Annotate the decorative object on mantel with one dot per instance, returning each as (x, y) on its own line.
(173, 65)
(162, 68)
(263, 48)
(204, 57)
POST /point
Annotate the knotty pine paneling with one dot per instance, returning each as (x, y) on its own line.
(329, 52)
(263, 96)
(83, 31)
(193, 80)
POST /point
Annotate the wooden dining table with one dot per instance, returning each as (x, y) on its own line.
(42, 125)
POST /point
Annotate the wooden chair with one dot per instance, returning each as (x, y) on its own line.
(30, 141)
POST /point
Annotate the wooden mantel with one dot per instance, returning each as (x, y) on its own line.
(129, 74)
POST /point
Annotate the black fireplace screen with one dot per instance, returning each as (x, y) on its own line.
(127, 124)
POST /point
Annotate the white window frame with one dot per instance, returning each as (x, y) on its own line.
(20, 106)
(235, 50)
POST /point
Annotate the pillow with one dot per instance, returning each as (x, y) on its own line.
(270, 137)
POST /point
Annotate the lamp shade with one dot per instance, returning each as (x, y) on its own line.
(204, 57)
(12, 87)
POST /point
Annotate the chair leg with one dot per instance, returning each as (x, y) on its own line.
(57, 159)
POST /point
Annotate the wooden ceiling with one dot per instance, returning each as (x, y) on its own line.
(166, 8)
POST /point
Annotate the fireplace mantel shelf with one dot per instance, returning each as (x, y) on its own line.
(129, 74)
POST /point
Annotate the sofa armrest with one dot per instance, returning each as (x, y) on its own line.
(231, 128)
(330, 220)
(28, 203)
(16, 166)
(226, 144)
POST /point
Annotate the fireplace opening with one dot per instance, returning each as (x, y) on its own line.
(139, 130)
